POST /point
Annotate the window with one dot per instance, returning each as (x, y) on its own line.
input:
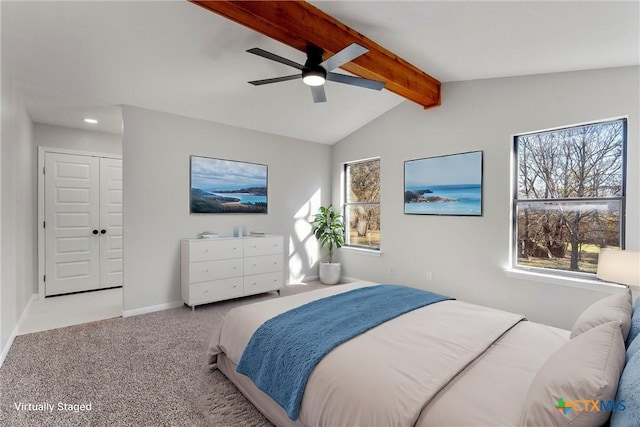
(569, 196)
(362, 204)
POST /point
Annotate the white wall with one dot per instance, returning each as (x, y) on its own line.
(51, 136)
(156, 152)
(467, 255)
(17, 212)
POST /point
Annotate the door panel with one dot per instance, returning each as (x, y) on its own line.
(76, 269)
(110, 222)
(66, 245)
(71, 215)
(73, 219)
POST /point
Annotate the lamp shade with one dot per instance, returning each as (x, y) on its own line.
(619, 266)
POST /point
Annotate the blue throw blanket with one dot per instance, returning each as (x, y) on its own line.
(282, 353)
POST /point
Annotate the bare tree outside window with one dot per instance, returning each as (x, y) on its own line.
(362, 204)
(570, 196)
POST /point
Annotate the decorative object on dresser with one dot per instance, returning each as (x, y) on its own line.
(328, 227)
(224, 268)
(208, 235)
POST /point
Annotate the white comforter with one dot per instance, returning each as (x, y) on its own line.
(393, 370)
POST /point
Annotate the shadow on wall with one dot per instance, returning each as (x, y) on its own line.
(303, 246)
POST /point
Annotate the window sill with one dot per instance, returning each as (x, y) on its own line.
(589, 284)
(363, 251)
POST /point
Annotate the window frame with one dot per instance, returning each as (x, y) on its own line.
(346, 204)
(514, 200)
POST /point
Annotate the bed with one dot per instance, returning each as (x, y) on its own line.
(447, 363)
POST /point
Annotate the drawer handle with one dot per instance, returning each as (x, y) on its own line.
(206, 250)
(253, 265)
(235, 268)
(235, 286)
(206, 291)
(206, 271)
(253, 284)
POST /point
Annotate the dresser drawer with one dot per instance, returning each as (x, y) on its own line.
(214, 270)
(204, 292)
(262, 283)
(210, 249)
(262, 264)
(262, 246)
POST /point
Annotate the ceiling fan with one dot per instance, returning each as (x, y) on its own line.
(315, 71)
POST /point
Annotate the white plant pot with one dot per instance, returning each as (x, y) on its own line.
(330, 273)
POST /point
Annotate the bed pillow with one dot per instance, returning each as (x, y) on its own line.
(614, 308)
(629, 391)
(634, 331)
(585, 368)
(633, 348)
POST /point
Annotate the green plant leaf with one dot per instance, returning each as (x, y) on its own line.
(327, 226)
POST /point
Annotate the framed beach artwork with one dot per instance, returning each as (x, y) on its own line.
(227, 186)
(444, 185)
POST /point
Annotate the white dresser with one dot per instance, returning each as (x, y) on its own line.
(224, 268)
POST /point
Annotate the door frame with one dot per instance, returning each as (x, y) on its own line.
(42, 151)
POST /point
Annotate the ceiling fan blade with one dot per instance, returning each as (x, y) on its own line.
(275, 80)
(274, 57)
(318, 94)
(355, 81)
(347, 54)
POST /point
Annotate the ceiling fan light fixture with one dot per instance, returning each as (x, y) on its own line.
(314, 77)
(316, 71)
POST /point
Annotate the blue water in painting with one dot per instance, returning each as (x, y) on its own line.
(468, 196)
(244, 197)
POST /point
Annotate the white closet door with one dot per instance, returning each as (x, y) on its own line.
(110, 222)
(71, 219)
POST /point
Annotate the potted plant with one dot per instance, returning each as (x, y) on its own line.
(328, 228)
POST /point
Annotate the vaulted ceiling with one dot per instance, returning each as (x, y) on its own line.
(72, 59)
(299, 24)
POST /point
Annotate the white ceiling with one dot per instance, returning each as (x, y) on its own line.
(79, 58)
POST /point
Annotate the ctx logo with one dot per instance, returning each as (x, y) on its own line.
(584, 405)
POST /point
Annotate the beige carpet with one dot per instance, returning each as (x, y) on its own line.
(147, 370)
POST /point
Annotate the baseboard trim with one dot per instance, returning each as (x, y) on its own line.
(14, 334)
(151, 309)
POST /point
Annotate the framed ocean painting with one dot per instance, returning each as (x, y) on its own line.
(444, 185)
(227, 186)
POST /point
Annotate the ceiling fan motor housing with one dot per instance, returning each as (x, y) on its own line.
(314, 56)
(313, 73)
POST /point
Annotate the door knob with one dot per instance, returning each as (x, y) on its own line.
(95, 231)
(103, 231)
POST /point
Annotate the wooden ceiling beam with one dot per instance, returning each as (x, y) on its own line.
(298, 23)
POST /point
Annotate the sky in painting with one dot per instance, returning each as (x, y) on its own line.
(218, 174)
(456, 169)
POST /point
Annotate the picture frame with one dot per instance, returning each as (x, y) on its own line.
(221, 186)
(444, 185)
